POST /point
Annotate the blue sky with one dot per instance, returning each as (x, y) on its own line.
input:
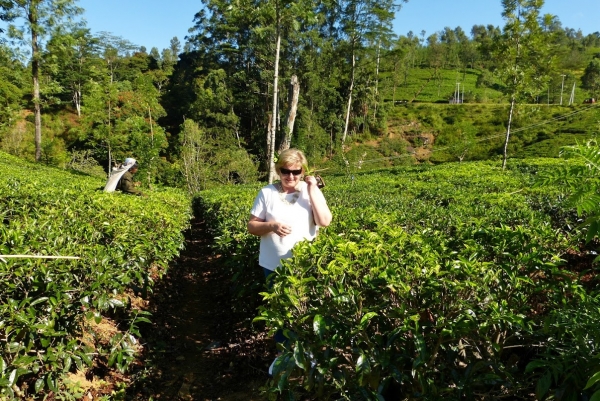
(152, 23)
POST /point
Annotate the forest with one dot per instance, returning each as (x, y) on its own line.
(249, 81)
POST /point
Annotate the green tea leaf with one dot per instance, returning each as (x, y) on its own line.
(593, 380)
(39, 385)
(319, 325)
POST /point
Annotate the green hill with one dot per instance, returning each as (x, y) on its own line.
(436, 133)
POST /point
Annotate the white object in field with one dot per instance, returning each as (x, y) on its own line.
(116, 175)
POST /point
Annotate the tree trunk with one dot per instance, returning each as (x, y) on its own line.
(510, 114)
(38, 114)
(395, 84)
(109, 163)
(375, 92)
(35, 73)
(149, 162)
(77, 100)
(270, 144)
(108, 137)
(273, 124)
(291, 117)
(349, 99)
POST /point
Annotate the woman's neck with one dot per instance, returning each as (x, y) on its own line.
(287, 190)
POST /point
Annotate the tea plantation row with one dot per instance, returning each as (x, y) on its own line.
(460, 281)
(50, 308)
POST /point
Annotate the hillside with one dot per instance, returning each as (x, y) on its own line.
(437, 133)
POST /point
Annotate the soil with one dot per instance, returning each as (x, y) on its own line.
(202, 344)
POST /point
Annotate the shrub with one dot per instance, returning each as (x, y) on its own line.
(122, 242)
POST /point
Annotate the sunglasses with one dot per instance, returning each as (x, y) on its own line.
(285, 171)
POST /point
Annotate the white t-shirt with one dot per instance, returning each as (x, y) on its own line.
(269, 206)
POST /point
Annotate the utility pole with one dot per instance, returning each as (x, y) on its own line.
(572, 98)
(562, 87)
(455, 96)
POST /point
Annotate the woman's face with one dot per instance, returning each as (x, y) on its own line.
(290, 174)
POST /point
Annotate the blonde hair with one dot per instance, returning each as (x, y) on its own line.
(291, 156)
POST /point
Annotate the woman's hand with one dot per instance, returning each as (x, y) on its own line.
(321, 213)
(281, 229)
(260, 227)
(310, 180)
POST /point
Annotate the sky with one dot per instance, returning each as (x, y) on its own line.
(153, 23)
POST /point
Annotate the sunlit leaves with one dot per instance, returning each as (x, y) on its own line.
(427, 275)
(46, 302)
(581, 179)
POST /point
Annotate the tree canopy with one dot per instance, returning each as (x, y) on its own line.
(232, 78)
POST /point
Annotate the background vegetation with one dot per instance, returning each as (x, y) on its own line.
(102, 99)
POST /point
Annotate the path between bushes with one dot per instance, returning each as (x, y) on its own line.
(201, 345)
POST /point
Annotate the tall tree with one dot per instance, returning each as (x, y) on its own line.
(71, 59)
(5, 12)
(362, 22)
(286, 14)
(523, 56)
(14, 84)
(175, 48)
(115, 106)
(484, 38)
(591, 77)
(251, 40)
(39, 16)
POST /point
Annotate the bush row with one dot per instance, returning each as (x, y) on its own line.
(49, 306)
(451, 281)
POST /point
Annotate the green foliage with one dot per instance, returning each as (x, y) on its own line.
(458, 140)
(446, 281)
(121, 241)
(205, 162)
(82, 161)
(420, 87)
(591, 76)
(593, 383)
(392, 147)
(569, 357)
(524, 54)
(581, 181)
(538, 130)
(111, 96)
(14, 84)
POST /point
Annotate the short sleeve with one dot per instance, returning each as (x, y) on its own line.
(259, 208)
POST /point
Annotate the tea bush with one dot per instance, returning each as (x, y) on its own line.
(121, 241)
(448, 281)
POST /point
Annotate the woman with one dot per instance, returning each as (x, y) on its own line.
(126, 183)
(121, 178)
(286, 213)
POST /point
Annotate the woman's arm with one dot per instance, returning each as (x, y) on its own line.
(260, 227)
(127, 185)
(321, 212)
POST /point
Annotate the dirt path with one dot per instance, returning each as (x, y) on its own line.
(201, 345)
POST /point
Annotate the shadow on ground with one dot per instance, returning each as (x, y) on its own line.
(201, 345)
